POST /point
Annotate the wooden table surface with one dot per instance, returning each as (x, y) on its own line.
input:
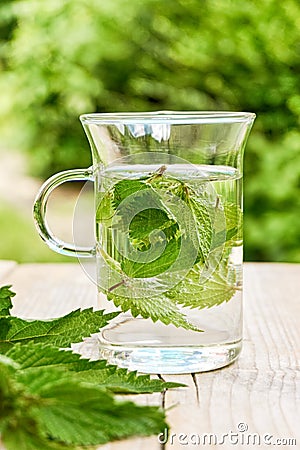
(259, 393)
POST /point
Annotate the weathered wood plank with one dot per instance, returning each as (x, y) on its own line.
(6, 267)
(50, 290)
(133, 444)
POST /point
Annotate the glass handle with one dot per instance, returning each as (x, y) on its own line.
(40, 209)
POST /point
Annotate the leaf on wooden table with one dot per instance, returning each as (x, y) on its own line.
(60, 332)
(48, 408)
(32, 356)
(5, 300)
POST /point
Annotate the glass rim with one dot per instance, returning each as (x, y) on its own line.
(167, 117)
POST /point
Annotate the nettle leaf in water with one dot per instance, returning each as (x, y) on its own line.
(152, 241)
(194, 291)
(135, 269)
(199, 209)
(234, 221)
(233, 225)
(105, 210)
(144, 211)
(125, 188)
(204, 227)
(145, 222)
(159, 307)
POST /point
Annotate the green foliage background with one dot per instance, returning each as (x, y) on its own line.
(62, 58)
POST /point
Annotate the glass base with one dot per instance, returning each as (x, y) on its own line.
(167, 351)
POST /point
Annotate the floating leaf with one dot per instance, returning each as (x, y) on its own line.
(158, 307)
(197, 292)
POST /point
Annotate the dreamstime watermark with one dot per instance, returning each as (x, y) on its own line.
(240, 437)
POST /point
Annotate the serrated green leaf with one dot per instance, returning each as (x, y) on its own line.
(194, 292)
(142, 206)
(49, 407)
(199, 209)
(125, 188)
(143, 222)
(105, 210)
(233, 221)
(145, 228)
(25, 438)
(8, 392)
(123, 382)
(60, 332)
(84, 414)
(33, 356)
(4, 329)
(5, 300)
(158, 307)
(25, 435)
(204, 227)
(135, 269)
(148, 220)
(19, 426)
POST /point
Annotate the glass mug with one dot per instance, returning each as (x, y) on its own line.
(168, 235)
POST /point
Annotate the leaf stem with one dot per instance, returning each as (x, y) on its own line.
(158, 173)
(115, 286)
(161, 170)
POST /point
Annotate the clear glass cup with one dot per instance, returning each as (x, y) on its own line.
(169, 238)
